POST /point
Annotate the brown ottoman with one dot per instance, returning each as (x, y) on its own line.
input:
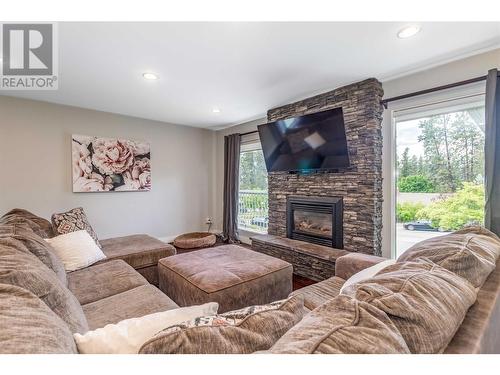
(140, 251)
(230, 275)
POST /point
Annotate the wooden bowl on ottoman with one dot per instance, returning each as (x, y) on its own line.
(195, 240)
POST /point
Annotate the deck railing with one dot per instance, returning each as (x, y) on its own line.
(253, 210)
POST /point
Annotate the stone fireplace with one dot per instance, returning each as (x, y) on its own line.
(316, 220)
(359, 187)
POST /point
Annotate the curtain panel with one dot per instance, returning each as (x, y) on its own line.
(492, 152)
(232, 144)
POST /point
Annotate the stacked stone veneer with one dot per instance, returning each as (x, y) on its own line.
(360, 186)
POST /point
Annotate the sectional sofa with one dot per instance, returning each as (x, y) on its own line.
(41, 306)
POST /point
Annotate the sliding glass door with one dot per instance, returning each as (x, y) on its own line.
(439, 170)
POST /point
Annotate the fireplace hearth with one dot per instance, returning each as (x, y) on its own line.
(316, 220)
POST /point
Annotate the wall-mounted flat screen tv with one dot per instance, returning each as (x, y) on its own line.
(312, 142)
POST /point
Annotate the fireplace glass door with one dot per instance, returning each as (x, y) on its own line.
(316, 220)
(313, 223)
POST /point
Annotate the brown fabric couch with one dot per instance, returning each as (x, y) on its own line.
(477, 333)
(36, 301)
(140, 251)
(40, 307)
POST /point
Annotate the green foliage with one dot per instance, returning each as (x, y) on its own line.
(253, 173)
(415, 184)
(464, 207)
(404, 164)
(453, 153)
(408, 211)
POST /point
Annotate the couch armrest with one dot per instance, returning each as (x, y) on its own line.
(348, 265)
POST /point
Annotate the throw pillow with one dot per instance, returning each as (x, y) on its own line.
(127, 336)
(342, 325)
(366, 273)
(72, 221)
(236, 332)
(426, 302)
(471, 253)
(76, 250)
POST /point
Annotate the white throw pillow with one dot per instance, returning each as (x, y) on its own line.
(76, 250)
(127, 336)
(367, 273)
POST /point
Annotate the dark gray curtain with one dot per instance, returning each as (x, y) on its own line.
(231, 187)
(492, 152)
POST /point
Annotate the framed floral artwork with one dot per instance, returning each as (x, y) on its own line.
(110, 164)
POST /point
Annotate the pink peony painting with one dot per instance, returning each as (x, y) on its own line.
(110, 164)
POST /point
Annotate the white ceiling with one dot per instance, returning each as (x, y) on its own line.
(242, 68)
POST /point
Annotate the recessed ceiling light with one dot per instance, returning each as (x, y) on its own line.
(215, 110)
(408, 32)
(149, 76)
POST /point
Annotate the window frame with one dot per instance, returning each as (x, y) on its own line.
(455, 97)
(249, 142)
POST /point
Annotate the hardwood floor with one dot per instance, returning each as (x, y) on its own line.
(300, 282)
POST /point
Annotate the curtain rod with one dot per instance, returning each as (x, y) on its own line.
(248, 133)
(433, 89)
(417, 93)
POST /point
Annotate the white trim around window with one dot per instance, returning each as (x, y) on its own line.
(407, 109)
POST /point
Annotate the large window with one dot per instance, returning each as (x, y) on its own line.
(439, 171)
(253, 201)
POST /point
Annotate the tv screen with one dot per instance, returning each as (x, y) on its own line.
(311, 142)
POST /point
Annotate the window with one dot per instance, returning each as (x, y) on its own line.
(253, 201)
(439, 170)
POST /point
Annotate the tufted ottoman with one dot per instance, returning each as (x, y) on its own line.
(231, 275)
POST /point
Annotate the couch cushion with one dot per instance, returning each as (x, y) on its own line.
(72, 221)
(479, 332)
(138, 250)
(352, 263)
(342, 325)
(134, 303)
(426, 302)
(21, 268)
(317, 294)
(38, 224)
(103, 280)
(237, 332)
(29, 326)
(471, 253)
(37, 246)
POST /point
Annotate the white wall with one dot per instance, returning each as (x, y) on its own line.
(35, 160)
(459, 70)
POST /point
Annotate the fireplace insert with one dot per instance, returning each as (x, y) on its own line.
(316, 220)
